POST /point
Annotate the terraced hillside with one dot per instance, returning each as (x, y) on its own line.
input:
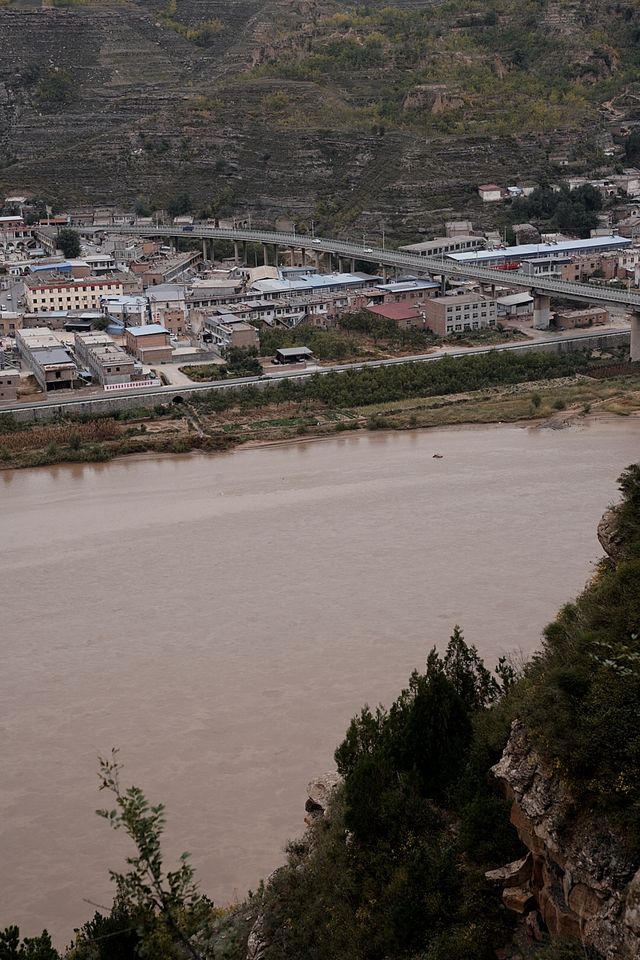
(372, 115)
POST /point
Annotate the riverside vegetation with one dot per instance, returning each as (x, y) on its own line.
(395, 868)
(493, 387)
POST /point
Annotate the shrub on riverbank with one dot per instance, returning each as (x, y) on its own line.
(404, 380)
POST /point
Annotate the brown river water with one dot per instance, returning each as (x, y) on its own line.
(221, 618)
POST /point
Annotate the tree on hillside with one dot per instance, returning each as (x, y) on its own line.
(69, 242)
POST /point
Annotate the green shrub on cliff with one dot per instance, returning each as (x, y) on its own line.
(583, 690)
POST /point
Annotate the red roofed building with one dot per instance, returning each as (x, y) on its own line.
(404, 314)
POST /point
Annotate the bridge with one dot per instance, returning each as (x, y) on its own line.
(542, 288)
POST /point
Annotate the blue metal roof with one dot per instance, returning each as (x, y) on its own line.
(534, 250)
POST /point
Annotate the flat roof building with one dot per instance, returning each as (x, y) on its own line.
(460, 313)
(149, 343)
(292, 354)
(107, 362)
(534, 251)
(445, 245)
(9, 380)
(50, 362)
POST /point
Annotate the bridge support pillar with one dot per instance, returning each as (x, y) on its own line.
(236, 251)
(265, 254)
(204, 250)
(353, 264)
(635, 335)
(541, 311)
(316, 258)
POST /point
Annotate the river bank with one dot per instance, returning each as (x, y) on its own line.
(186, 427)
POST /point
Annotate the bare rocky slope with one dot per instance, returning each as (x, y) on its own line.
(385, 115)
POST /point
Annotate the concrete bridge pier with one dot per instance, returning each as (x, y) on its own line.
(204, 250)
(541, 311)
(265, 254)
(353, 264)
(236, 251)
(635, 335)
(316, 257)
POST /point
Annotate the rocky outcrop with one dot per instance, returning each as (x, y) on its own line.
(319, 793)
(576, 880)
(610, 539)
(433, 97)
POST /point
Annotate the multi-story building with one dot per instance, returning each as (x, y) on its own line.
(227, 331)
(460, 313)
(66, 293)
(103, 358)
(10, 322)
(49, 360)
(149, 343)
(9, 380)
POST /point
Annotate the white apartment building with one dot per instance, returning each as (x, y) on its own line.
(84, 293)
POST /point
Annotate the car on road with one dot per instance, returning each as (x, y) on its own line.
(187, 229)
(368, 249)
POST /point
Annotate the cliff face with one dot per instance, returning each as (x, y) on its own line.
(576, 878)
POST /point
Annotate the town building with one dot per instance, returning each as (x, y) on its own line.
(405, 315)
(489, 192)
(515, 306)
(582, 317)
(536, 251)
(313, 283)
(9, 380)
(228, 330)
(408, 291)
(149, 343)
(459, 313)
(441, 246)
(49, 360)
(47, 296)
(10, 321)
(126, 309)
(106, 361)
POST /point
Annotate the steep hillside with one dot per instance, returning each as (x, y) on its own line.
(384, 113)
